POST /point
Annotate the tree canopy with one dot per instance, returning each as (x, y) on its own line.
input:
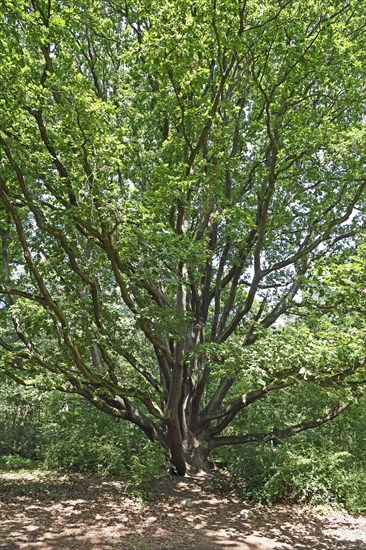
(175, 177)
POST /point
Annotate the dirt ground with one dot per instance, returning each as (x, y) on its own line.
(48, 512)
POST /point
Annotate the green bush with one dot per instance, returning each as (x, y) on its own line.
(352, 490)
(296, 471)
(73, 453)
(65, 434)
(10, 462)
(147, 465)
(305, 475)
(89, 441)
(97, 456)
(20, 420)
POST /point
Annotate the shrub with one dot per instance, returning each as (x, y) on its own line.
(11, 462)
(296, 471)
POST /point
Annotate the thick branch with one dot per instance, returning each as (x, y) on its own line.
(280, 433)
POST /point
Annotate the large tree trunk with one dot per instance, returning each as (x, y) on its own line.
(177, 455)
(197, 457)
(189, 457)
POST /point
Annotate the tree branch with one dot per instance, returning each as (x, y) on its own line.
(279, 433)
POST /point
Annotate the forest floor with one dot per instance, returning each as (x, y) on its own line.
(40, 510)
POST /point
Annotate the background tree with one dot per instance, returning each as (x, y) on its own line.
(170, 172)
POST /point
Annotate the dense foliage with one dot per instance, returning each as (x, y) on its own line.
(175, 177)
(326, 466)
(65, 433)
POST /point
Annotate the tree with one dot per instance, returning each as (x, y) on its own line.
(170, 172)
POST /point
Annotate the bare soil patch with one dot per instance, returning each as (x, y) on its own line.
(48, 512)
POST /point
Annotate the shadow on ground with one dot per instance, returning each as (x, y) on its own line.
(82, 513)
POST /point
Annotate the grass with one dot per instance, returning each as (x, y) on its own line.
(17, 463)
